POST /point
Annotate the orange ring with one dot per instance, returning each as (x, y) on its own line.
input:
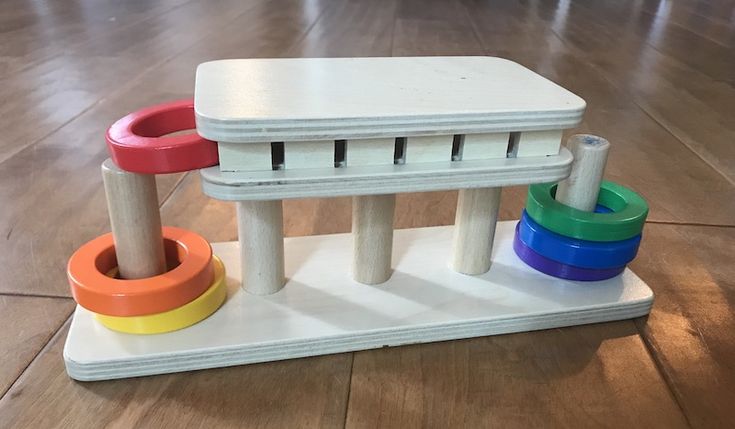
(190, 274)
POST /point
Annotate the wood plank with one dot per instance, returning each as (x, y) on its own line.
(305, 393)
(30, 39)
(97, 70)
(601, 375)
(691, 96)
(433, 28)
(644, 155)
(61, 174)
(350, 28)
(690, 329)
(28, 323)
(62, 171)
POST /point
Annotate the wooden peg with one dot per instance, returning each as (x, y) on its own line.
(581, 189)
(132, 202)
(474, 230)
(372, 230)
(260, 231)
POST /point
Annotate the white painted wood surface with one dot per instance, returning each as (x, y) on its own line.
(256, 100)
(484, 146)
(372, 231)
(313, 154)
(260, 233)
(581, 189)
(240, 157)
(539, 143)
(428, 149)
(474, 230)
(369, 152)
(383, 179)
(322, 310)
(132, 203)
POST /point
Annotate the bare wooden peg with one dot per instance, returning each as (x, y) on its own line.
(260, 230)
(372, 229)
(132, 202)
(474, 230)
(581, 189)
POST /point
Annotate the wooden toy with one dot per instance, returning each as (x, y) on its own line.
(93, 289)
(628, 215)
(363, 127)
(557, 269)
(136, 144)
(590, 244)
(572, 251)
(180, 317)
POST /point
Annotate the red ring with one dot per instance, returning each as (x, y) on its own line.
(136, 145)
(97, 292)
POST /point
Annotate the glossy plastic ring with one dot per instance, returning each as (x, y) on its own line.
(178, 318)
(135, 142)
(556, 269)
(629, 211)
(578, 253)
(190, 274)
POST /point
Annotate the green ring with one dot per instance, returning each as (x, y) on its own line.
(629, 211)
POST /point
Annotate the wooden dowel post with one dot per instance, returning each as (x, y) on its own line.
(132, 202)
(372, 230)
(260, 231)
(474, 230)
(581, 189)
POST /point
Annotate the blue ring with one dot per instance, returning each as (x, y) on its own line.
(555, 269)
(575, 252)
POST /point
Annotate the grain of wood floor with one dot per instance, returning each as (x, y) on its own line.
(659, 79)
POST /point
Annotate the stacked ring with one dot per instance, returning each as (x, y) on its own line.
(575, 252)
(190, 274)
(138, 142)
(629, 211)
(556, 269)
(178, 318)
(572, 244)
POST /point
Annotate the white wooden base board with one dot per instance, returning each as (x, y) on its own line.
(322, 310)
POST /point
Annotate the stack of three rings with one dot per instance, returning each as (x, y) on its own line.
(192, 289)
(564, 242)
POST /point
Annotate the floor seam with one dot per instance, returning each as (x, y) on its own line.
(45, 347)
(34, 295)
(349, 390)
(632, 96)
(702, 224)
(650, 350)
(727, 178)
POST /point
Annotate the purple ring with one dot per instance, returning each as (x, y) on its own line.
(556, 269)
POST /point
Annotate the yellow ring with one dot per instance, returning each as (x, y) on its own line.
(178, 318)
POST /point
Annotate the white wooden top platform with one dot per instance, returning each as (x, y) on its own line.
(267, 100)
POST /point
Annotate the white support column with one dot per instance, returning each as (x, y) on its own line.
(260, 231)
(474, 230)
(581, 189)
(132, 202)
(372, 231)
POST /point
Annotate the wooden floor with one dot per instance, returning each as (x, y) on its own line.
(659, 79)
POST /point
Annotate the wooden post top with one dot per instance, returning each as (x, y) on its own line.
(260, 100)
